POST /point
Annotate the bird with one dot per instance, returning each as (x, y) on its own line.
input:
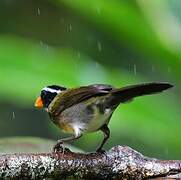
(89, 108)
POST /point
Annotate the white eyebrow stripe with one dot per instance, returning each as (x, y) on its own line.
(51, 90)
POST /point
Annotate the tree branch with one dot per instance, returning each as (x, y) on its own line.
(118, 163)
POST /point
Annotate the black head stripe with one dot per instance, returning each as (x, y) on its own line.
(47, 97)
(48, 93)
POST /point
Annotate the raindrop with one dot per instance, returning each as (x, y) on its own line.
(98, 10)
(135, 69)
(38, 10)
(13, 115)
(169, 69)
(41, 43)
(70, 27)
(99, 46)
(44, 45)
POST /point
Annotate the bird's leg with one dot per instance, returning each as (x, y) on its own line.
(106, 132)
(59, 145)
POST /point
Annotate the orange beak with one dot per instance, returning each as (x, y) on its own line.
(39, 102)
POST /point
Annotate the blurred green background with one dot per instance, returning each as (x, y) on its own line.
(73, 43)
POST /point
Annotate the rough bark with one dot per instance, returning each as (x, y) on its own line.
(118, 163)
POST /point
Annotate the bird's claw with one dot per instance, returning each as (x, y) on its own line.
(59, 147)
(101, 151)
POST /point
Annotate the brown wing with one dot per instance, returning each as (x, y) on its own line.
(74, 96)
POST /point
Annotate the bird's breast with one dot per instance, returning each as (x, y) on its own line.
(84, 117)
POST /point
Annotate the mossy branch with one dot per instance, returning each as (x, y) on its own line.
(118, 163)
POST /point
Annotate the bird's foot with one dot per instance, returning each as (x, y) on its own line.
(101, 151)
(60, 147)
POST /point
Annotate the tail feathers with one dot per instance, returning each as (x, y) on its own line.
(128, 93)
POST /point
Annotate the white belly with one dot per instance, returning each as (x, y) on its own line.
(82, 121)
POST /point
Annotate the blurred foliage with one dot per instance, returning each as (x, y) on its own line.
(28, 145)
(75, 43)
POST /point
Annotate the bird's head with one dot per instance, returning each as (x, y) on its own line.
(47, 95)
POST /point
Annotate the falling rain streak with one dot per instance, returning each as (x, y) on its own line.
(99, 46)
(44, 45)
(38, 10)
(13, 115)
(98, 10)
(70, 27)
(41, 43)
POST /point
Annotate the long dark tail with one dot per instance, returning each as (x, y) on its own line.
(126, 94)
